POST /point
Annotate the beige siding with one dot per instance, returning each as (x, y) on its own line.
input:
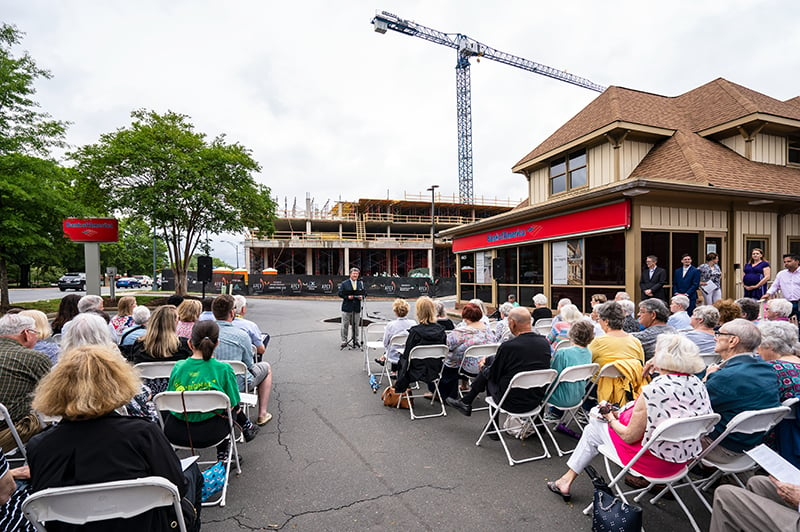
(674, 218)
(755, 224)
(600, 162)
(769, 149)
(539, 185)
(631, 155)
(791, 225)
(736, 143)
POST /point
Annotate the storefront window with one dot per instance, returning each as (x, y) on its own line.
(531, 264)
(605, 259)
(468, 268)
(655, 243)
(509, 273)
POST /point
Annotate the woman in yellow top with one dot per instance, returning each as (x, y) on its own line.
(615, 344)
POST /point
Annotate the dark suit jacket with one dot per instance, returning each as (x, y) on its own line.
(656, 284)
(346, 290)
(686, 285)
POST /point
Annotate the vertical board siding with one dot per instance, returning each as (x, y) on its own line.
(769, 149)
(632, 154)
(753, 223)
(675, 218)
(600, 165)
(736, 143)
(539, 192)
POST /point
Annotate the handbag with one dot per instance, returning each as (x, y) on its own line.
(213, 480)
(391, 398)
(609, 513)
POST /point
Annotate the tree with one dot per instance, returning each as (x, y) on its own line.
(133, 253)
(160, 169)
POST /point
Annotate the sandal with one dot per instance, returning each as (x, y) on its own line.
(555, 489)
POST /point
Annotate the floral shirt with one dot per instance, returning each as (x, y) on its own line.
(459, 339)
(788, 378)
(120, 323)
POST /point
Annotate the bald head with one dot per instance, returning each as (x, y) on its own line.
(519, 320)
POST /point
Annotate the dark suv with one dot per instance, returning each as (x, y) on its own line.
(76, 281)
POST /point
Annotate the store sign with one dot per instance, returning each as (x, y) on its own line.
(614, 216)
(91, 229)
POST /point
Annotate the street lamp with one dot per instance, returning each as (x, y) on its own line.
(236, 247)
(433, 239)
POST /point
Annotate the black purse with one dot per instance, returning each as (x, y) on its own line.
(609, 513)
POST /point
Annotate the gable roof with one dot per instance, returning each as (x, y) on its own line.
(685, 155)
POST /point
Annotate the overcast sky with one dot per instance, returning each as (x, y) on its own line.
(333, 109)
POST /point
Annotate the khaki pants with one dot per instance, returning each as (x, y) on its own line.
(27, 427)
(757, 508)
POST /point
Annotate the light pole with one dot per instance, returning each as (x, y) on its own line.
(236, 247)
(433, 239)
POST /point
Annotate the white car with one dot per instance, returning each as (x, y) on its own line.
(144, 280)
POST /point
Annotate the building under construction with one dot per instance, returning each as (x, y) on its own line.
(378, 236)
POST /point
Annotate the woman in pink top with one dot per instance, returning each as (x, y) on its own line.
(188, 312)
(675, 393)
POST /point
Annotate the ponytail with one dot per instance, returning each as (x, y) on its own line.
(206, 347)
(205, 335)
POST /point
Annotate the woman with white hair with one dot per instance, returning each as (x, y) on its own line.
(675, 393)
(141, 315)
(704, 320)
(560, 329)
(88, 328)
(630, 324)
(501, 330)
(777, 309)
(679, 318)
(44, 343)
(541, 311)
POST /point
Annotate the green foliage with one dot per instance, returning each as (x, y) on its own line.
(23, 127)
(215, 263)
(160, 169)
(133, 253)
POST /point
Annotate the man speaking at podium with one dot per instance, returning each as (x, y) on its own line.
(352, 292)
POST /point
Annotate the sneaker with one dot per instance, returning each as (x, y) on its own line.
(249, 431)
(344, 344)
(461, 406)
(551, 418)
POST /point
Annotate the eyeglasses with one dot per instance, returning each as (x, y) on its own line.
(720, 333)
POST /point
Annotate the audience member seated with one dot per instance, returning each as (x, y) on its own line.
(175, 300)
(750, 308)
(428, 332)
(207, 314)
(141, 315)
(675, 393)
(679, 319)
(653, 315)
(541, 311)
(527, 351)
(618, 347)
(235, 344)
(67, 309)
(160, 343)
(560, 329)
(728, 310)
(766, 504)
(622, 296)
(704, 320)
(442, 319)
(13, 492)
(92, 304)
(561, 303)
(123, 319)
(471, 331)
(188, 313)
(501, 331)
(779, 347)
(203, 372)
(512, 299)
(630, 324)
(45, 343)
(742, 381)
(777, 309)
(248, 326)
(21, 368)
(92, 443)
(581, 335)
(484, 316)
(399, 325)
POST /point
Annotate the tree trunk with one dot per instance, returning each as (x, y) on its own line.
(180, 280)
(4, 303)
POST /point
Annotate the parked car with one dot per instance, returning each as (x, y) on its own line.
(128, 282)
(144, 280)
(75, 281)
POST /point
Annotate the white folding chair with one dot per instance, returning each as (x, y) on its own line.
(204, 401)
(572, 374)
(399, 341)
(562, 344)
(372, 341)
(106, 500)
(247, 397)
(543, 326)
(524, 380)
(156, 371)
(422, 353)
(673, 431)
(609, 371)
(709, 358)
(20, 449)
(747, 422)
(475, 352)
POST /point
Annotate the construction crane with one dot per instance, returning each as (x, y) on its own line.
(466, 48)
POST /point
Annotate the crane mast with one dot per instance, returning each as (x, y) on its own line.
(465, 48)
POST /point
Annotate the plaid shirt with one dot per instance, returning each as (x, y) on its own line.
(20, 371)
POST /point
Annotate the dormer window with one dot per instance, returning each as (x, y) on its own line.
(568, 172)
(794, 152)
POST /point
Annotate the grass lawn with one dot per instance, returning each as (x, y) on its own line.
(50, 306)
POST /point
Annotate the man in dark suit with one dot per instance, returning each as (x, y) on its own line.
(653, 279)
(527, 351)
(352, 292)
(686, 281)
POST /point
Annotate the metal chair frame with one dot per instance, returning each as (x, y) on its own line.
(580, 373)
(423, 352)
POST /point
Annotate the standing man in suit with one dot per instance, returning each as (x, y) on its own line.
(686, 281)
(352, 292)
(653, 279)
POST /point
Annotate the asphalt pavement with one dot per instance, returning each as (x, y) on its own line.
(334, 458)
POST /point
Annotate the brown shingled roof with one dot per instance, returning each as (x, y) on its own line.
(687, 156)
